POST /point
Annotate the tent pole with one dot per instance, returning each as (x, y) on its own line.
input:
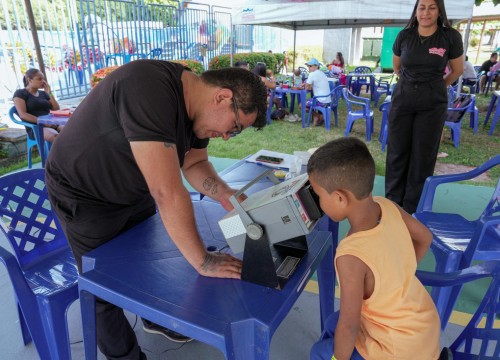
(466, 45)
(34, 33)
(294, 43)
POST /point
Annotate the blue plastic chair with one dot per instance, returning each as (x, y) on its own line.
(155, 53)
(360, 80)
(31, 135)
(358, 108)
(472, 109)
(335, 94)
(382, 87)
(385, 108)
(458, 241)
(475, 341)
(42, 269)
(456, 126)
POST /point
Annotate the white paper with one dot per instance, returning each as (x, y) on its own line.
(287, 159)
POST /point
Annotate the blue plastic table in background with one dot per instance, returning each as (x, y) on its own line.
(350, 76)
(48, 120)
(302, 96)
(143, 272)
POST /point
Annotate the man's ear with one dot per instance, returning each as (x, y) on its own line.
(223, 94)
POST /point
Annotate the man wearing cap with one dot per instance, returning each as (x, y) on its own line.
(318, 83)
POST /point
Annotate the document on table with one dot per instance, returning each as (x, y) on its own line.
(288, 159)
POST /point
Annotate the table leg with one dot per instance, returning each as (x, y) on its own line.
(292, 102)
(303, 102)
(490, 108)
(270, 107)
(87, 306)
(326, 277)
(495, 120)
(248, 340)
(41, 143)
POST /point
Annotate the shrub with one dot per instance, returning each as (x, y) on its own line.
(271, 60)
(100, 74)
(195, 66)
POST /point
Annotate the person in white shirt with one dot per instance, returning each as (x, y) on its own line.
(317, 81)
(469, 74)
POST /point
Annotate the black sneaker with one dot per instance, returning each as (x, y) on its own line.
(171, 335)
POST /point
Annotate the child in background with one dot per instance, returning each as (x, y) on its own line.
(297, 79)
(385, 312)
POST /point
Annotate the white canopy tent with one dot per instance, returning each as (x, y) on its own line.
(327, 14)
(330, 14)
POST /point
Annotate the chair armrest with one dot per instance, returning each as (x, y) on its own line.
(10, 262)
(432, 182)
(485, 269)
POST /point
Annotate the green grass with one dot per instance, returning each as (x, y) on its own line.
(287, 137)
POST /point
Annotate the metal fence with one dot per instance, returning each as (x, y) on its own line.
(77, 37)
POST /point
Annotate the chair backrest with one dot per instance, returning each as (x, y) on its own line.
(459, 106)
(14, 116)
(362, 70)
(477, 68)
(493, 206)
(336, 95)
(155, 53)
(26, 216)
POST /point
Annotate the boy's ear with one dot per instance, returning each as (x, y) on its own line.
(341, 197)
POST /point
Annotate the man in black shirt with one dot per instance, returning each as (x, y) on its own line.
(485, 68)
(123, 153)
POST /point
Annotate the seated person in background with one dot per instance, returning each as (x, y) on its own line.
(242, 64)
(297, 79)
(337, 62)
(385, 312)
(469, 75)
(318, 83)
(261, 70)
(486, 66)
(31, 103)
(496, 69)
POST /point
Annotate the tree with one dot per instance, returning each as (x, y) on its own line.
(495, 2)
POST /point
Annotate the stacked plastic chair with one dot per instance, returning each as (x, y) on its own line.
(457, 241)
(358, 108)
(41, 267)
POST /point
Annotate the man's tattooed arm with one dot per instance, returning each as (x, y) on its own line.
(210, 185)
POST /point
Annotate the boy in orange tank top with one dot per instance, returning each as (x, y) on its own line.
(385, 312)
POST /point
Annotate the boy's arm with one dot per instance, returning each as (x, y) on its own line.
(420, 235)
(352, 273)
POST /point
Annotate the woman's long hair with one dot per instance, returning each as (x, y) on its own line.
(341, 58)
(442, 18)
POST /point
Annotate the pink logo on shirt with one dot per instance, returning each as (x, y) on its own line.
(437, 51)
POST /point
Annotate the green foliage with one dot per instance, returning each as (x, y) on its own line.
(495, 2)
(194, 65)
(271, 60)
(287, 137)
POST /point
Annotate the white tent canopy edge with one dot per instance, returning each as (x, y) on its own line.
(325, 14)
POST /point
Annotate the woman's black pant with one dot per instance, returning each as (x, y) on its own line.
(416, 120)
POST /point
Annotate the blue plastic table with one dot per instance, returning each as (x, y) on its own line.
(47, 120)
(302, 96)
(143, 272)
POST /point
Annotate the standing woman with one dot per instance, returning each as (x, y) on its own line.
(31, 103)
(420, 100)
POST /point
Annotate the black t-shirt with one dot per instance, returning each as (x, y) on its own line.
(35, 105)
(92, 161)
(424, 60)
(486, 66)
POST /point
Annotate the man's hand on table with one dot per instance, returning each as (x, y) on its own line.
(221, 266)
(224, 199)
